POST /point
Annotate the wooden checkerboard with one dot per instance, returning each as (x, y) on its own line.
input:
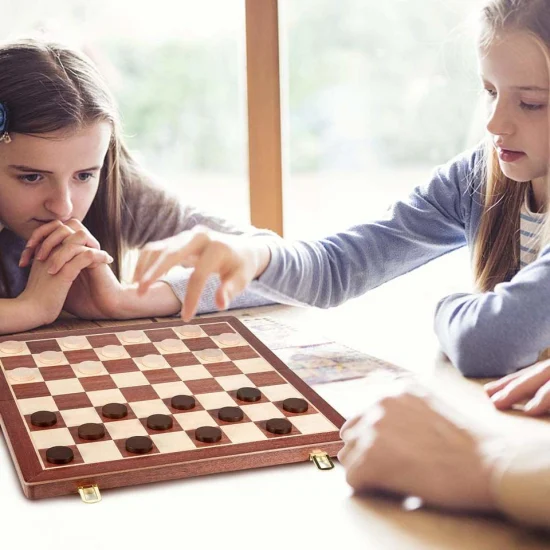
(74, 373)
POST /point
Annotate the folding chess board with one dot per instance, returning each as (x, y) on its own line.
(118, 406)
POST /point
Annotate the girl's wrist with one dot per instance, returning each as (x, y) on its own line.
(262, 254)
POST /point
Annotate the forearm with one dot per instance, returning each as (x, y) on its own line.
(495, 333)
(158, 301)
(19, 315)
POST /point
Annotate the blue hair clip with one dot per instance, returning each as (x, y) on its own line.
(4, 121)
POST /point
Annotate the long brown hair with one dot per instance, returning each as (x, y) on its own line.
(48, 87)
(496, 253)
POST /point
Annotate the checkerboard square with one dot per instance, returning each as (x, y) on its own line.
(173, 442)
(102, 397)
(97, 383)
(203, 386)
(80, 355)
(170, 389)
(77, 417)
(280, 392)
(129, 379)
(19, 361)
(100, 451)
(234, 382)
(72, 401)
(123, 429)
(215, 400)
(143, 409)
(181, 359)
(138, 393)
(243, 433)
(222, 369)
(156, 335)
(160, 376)
(193, 372)
(262, 411)
(196, 344)
(257, 364)
(52, 438)
(65, 387)
(32, 405)
(194, 420)
(313, 423)
(32, 389)
(266, 378)
(38, 346)
(57, 373)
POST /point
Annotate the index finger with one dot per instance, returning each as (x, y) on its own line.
(209, 263)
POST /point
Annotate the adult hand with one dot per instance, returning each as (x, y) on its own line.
(413, 445)
(531, 383)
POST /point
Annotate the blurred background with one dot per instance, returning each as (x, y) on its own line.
(374, 95)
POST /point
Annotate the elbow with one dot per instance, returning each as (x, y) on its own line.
(477, 358)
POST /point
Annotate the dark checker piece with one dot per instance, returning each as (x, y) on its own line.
(249, 394)
(114, 411)
(139, 444)
(159, 422)
(183, 402)
(91, 431)
(208, 434)
(295, 405)
(43, 419)
(59, 455)
(230, 414)
(278, 426)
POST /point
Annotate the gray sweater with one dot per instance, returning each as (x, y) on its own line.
(149, 213)
(484, 334)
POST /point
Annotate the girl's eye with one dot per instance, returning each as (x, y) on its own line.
(30, 178)
(490, 93)
(532, 106)
(85, 176)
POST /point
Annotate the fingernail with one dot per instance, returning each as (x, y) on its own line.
(51, 270)
(110, 259)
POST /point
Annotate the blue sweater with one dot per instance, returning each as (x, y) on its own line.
(484, 334)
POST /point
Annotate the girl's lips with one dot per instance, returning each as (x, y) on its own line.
(510, 156)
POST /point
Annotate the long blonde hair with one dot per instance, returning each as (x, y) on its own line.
(496, 252)
(49, 87)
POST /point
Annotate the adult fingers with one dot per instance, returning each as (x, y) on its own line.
(540, 404)
(521, 387)
(497, 385)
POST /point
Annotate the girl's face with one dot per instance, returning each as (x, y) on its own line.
(51, 177)
(515, 76)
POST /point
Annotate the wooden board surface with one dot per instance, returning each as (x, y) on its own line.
(78, 398)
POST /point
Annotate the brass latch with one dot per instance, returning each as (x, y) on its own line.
(89, 494)
(321, 459)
